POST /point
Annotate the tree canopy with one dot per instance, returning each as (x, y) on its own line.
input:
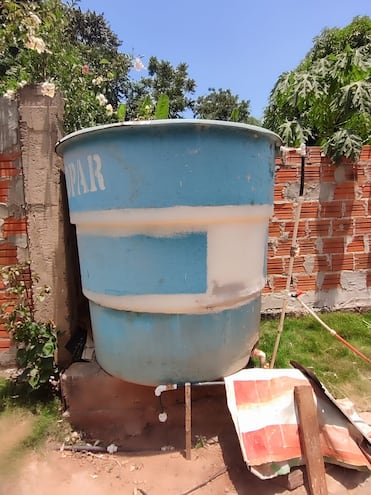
(223, 105)
(326, 100)
(162, 78)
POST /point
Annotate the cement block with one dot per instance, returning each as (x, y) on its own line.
(327, 190)
(112, 410)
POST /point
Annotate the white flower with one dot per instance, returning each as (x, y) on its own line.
(35, 20)
(102, 99)
(9, 94)
(35, 43)
(48, 89)
(138, 64)
(22, 83)
(97, 81)
(31, 23)
(109, 109)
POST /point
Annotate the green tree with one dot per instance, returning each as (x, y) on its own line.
(163, 79)
(99, 47)
(223, 105)
(91, 29)
(326, 100)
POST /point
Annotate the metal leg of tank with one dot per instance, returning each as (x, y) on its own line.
(187, 405)
(162, 417)
(188, 420)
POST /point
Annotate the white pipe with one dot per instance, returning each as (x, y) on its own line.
(301, 150)
(257, 353)
(162, 388)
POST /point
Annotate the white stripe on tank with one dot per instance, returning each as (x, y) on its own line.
(236, 249)
(175, 219)
(170, 303)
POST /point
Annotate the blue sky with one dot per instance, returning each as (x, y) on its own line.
(241, 45)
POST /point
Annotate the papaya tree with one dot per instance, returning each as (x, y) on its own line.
(326, 100)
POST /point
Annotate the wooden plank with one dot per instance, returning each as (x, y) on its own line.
(310, 440)
(188, 421)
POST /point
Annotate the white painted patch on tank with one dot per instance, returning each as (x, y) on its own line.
(235, 257)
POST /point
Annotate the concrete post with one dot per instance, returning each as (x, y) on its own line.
(51, 241)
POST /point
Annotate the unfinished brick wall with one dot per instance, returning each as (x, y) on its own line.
(333, 265)
(13, 222)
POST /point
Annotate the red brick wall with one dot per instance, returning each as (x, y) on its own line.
(334, 228)
(12, 227)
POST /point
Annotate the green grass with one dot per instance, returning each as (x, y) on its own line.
(305, 340)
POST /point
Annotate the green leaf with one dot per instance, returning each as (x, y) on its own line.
(48, 349)
(322, 66)
(283, 84)
(307, 85)
(146, 108)
(293, 134)
(162, 107)
(234, 115)
(354, 96)
(34, 378)
(343, 143)
(121, 112)
(361, 58)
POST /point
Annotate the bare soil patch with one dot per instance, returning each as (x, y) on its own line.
(51, 471)
(13, 429)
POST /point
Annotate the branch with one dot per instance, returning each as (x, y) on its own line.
(204, 483)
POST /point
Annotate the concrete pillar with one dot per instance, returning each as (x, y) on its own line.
(51, 240)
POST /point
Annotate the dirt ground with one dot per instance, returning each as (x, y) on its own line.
(65, 473)
(167, 472)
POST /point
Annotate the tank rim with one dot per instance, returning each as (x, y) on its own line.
(168, 123)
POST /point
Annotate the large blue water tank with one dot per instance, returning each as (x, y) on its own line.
(172, 219)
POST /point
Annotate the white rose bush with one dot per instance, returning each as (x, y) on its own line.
(35, 49)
